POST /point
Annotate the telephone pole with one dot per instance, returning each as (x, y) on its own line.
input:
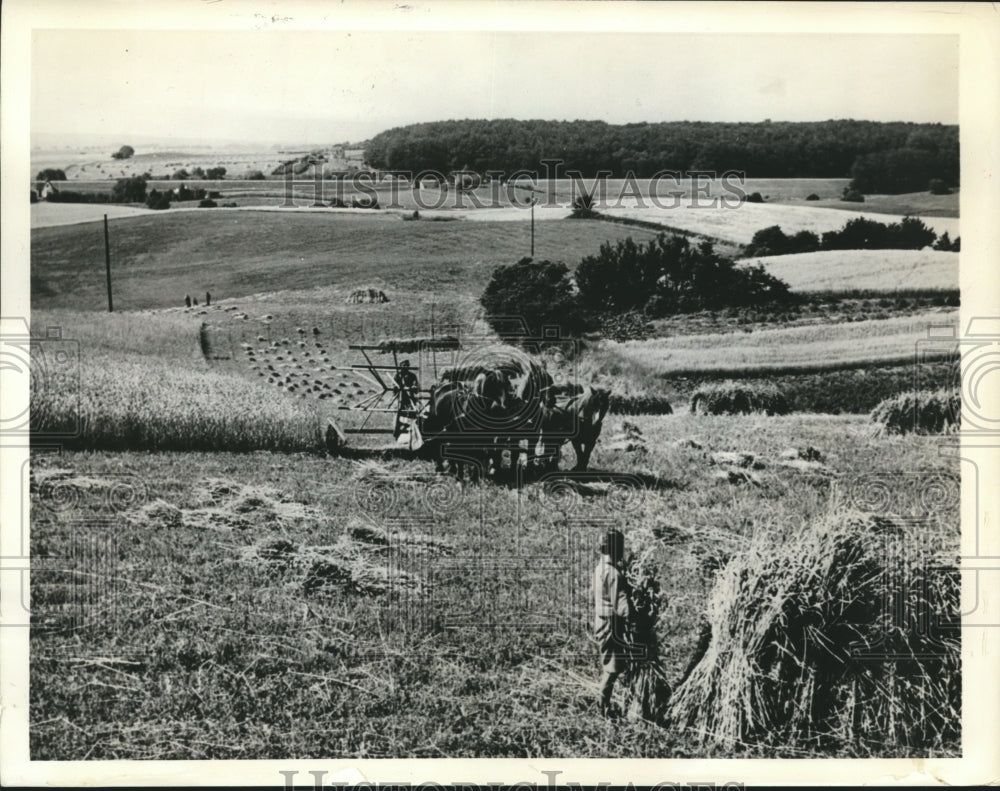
(107, 263)
(533, 202)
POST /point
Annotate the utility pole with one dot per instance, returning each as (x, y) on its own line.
(107, 263)
(533, 202)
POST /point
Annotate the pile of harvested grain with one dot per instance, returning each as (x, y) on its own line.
(924, 411)
(367, 296)
(413, 345)
(842, 638)
(512, 361)
(645, 678)
(737, 398)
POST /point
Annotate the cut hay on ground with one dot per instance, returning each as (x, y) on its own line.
(822, 643)
(735, 398)
(923, 412)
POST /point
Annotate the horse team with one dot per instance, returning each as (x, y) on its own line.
(501, 420)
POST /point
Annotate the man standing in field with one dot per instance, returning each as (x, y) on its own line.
(406, 386)
(612, 612)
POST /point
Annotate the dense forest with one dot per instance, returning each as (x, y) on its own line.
(824, 149)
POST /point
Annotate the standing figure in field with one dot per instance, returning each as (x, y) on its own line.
(208, 298)
(612, 613)
(406, 387)
(187, 300)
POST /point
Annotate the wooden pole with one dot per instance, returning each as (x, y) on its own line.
(107, 263)
(532, 227)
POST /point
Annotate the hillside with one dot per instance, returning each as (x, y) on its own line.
(156, 260)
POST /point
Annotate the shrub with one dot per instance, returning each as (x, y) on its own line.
(158, 200)
(583, 206)
(669, 275)
(130, 190)
(207, 203)
(218, 173)
(253, 175)
(736, 398)
(938, 187)
(774, 241)
(125, 152)
(812, 196)
(69, 196)
(540, 293)
(852, 195)
(922, 412)
(945, 243)
(180, 175)
(370, 202)
(755, 197)
(778, 669)
(864, 234)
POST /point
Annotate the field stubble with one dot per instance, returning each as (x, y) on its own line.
(221, 647)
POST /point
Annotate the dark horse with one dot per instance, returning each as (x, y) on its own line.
(579, 420)
(450, 432)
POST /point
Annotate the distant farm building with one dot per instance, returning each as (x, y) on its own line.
(47, 189)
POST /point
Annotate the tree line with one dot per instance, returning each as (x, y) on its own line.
(665, 276)
(873, 153)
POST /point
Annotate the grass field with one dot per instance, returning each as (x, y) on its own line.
(858, 270)
(157, 260)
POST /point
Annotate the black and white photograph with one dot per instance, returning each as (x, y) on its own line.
(411, 383)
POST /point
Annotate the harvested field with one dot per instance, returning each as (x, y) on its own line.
(864, 270)
(274, 582)
(803, 349)
(738, 225)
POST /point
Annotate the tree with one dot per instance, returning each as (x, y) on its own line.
(254, 175)
(540, 293)
(197, 173)
(130, 190)
(51, 174)
(670, 275)
(938, 187)
(220, 173)
(180, 175)
(158, 200)
(125, 152)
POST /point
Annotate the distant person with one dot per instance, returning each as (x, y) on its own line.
(406, 386)
(187, 300)
(195, 300)
(208, 299)
(612, 613)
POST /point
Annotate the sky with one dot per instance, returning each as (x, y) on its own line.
(328, 86)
